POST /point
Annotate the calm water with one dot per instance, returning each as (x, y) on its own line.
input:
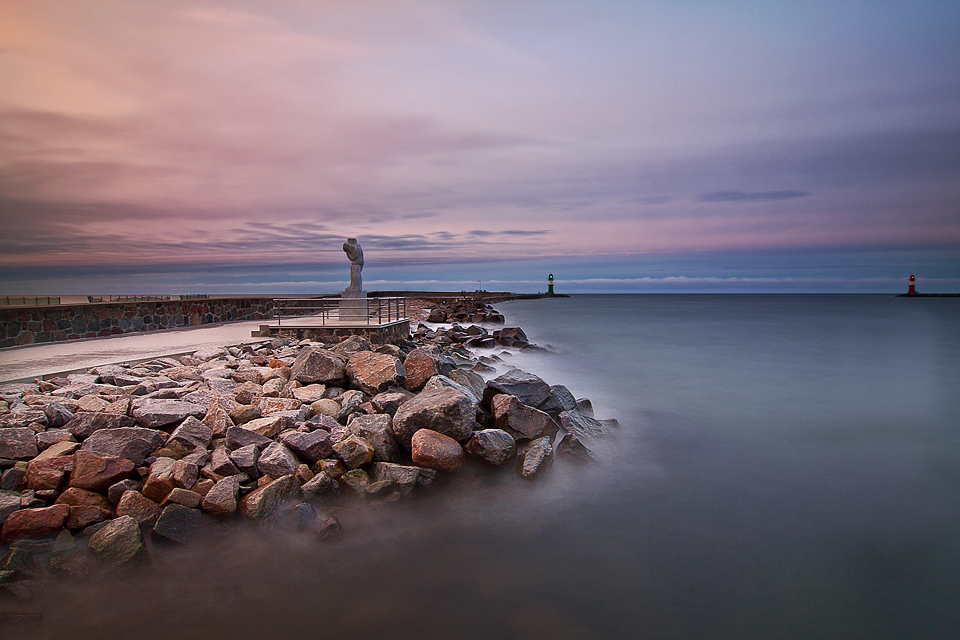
(787, 467)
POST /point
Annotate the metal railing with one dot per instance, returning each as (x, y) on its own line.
(31, 301)
(332, 311)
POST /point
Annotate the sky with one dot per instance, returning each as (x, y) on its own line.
(232, 147)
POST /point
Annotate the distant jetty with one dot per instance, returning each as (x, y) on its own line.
(929, 295)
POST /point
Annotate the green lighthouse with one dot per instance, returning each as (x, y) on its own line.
(550, 281)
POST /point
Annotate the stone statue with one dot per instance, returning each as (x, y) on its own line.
(352, 248)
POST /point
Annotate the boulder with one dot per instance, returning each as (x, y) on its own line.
(263, 502)
(117, 489)
(57, 414)
(314, 365)
(537, 458)
(62, 448)
(269, 427)
(246, 459)
(184, 497)
(376, 429)
(310, 393)
(441, 381)
(182, 524)
(322, 484)
(118, 543)
(50, 437)
(221, 464)
(349, 346)
(389, 401)
(354, 451)
(582, 426)
(139, 507)
(436, 451)
(85, 423)
(375, 372)
(270, 406)
(217, 419)
(571, 447)
(493, 446)
(326, 406)
(32, 523)
(311, 447)
(221, 500)
(154, 414)
(76, 497)
(521, 421)
(528, 388)
(511, 337)
(18, 443)
(191, 434)
(238, 437)
(445, 410)
(560, 400)
(406, 478)
(132, 443)
(350, 403)
(277, 460)
(420, 365)
(50, 474)
(98, 471)
(9, 502)
(166, 474)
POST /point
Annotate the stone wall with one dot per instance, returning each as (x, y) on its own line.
(29, 325)
(386, 334)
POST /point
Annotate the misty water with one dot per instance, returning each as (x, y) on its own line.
(786, 467)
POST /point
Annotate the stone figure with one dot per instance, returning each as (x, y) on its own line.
(352, 248)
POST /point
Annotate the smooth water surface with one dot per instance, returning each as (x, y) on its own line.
(787, 467)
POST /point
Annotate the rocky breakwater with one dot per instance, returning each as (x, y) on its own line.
(103, 468)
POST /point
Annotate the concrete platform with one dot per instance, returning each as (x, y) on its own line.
(327, 329)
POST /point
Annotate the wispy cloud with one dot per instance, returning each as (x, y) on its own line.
(752, 196)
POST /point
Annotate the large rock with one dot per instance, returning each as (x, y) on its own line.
(9, 502)
(571, 447)
(57, 414)
(406, 478)
(246, 459)
(277, 461)
(420, 365)
(191, 434)
(511, 337)
(436, 451)
(32, 523)
(310, 393)
(521, 421)
(322, 484)
(154, 414)
(262, 503)
(317, 365)
(97, 471)
(445, 410)
(85, 423)
(311, 447)
(118, 542)
(139, 507)
(218, 418)
(528, 388)
(375, 372)
(584, 427)
(270, 426)
(441, 381)
(76, 497)
(166, 474)
(493, 446)
(349, 346)
(238, 437)
(221, 500)
(354, 451)
(389, 401)
(560, 400)
(377, 429)
(132, 443)
(221, 464)
(48, 474)
(18, 443)
(537, 459)
(182, 524)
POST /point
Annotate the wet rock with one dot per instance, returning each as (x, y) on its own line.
(154, 414)
(511, 337)
(312, 446)
(118, 543)
(277, 460)
(469, 380)
(330, 530)
(191, 434)
(404, 477)
(314, 365)
(221, 500)
(537, 458)
(571, 447)
(420, 365)
(263, 502)
(83, 516)
(354, 451)
(78, 564)
(494, 446)
(441, 381)
(582, 426)
(98, 471)
(18, 443)
(322, 484)
(445, 410)
(139, 507)
(14, 478)
(182, 524)
(522, 421)
(436, 451)
(76, 497)
(528, 388)
(330, 466)
(132, 443)
(32, 523)
(377, 430)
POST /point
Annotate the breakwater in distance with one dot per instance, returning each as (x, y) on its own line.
(25, 325)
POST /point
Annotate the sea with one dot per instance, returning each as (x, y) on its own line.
(786, 466)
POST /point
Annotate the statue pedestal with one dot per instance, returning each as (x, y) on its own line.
(354, 305)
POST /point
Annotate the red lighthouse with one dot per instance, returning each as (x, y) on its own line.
(913, 282)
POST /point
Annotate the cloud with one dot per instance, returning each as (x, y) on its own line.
(755, 196)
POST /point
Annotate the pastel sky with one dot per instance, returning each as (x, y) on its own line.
(627, 146)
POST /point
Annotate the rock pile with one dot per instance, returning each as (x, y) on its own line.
(101, 466)
(465, 311)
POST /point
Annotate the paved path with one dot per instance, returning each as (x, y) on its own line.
(32, 361)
